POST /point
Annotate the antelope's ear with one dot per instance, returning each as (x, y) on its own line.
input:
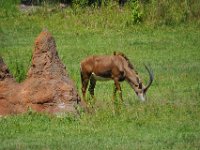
(140, 85)
(114, 53)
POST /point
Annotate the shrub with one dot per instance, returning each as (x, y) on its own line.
(136, 11)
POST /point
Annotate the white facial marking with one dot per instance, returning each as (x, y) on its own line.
(141, 97)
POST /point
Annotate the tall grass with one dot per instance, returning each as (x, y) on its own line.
(169, 12)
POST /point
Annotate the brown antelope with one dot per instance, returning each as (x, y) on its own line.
(116, 67)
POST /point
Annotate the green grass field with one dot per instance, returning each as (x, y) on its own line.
(170, 119)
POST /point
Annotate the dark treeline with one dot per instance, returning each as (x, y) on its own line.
(149, 11)
(70, 2)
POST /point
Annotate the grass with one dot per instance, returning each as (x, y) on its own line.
(168, 120)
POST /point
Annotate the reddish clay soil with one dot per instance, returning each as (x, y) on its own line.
(47, 87)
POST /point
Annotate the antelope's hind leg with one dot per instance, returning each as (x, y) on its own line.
(84, 80)
(92, 87)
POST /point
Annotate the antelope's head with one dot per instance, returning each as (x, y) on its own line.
(140, 89)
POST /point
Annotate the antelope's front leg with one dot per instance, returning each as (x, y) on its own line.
(118, 89)
(114, 93)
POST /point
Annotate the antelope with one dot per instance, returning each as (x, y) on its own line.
(116, 67)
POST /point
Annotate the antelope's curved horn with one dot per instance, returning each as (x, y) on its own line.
(151, 78)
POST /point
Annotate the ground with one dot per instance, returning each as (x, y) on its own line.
(168, 120)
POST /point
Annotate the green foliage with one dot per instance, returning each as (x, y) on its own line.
(8, 8)
(79, 3)
(170, 12)
(18, 67)
(136, 11)
(150, 12)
